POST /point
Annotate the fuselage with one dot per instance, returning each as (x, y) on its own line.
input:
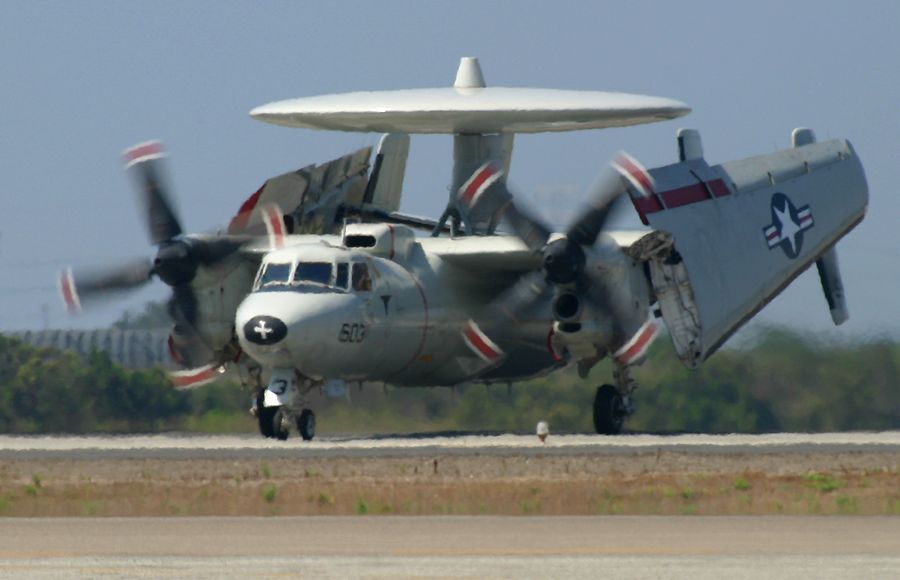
(334, 312)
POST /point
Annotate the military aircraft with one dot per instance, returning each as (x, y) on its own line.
(494, 294)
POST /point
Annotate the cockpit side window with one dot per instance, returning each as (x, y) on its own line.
(313, 273)
(343, 275)
(362, 282)
(275, 273)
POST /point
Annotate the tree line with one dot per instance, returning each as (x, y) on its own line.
(783, 381)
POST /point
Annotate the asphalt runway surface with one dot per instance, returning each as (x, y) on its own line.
(175, 446)
(452, 547)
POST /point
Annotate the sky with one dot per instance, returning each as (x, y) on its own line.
(82, 81)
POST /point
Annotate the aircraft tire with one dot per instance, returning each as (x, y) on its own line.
(609, 410)
(306, 424)
(279, 429)
(264, 416)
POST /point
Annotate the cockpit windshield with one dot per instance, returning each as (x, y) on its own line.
(275, 273)
(313, 273)
(314, 277)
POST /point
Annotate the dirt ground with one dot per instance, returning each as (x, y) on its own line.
(659, 482)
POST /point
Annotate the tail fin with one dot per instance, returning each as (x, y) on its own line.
(731, 237)
(386, 180)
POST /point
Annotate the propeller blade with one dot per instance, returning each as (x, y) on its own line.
(511, 304)
(188, 348)
(190, 378)
(506, 308)
(603, 200)
(211, 251)
(182, 306)
(86, 286)
(274, 220)
(485, 188)
(486, 349)
(144, 162)
(531, 231)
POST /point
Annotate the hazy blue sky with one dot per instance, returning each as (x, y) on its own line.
(81, 81)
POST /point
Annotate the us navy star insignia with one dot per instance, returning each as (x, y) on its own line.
(788, 225)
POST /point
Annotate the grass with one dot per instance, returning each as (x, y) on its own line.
(90, 508)
(362, 508)
(253, 487)
(824, 482)
(741, 484)
(846, 505)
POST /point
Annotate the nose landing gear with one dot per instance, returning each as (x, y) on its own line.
(275, 422)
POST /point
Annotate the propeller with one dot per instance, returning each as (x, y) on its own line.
(177, 259)
(564, 258)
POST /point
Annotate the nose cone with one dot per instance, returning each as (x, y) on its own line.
(264, 330)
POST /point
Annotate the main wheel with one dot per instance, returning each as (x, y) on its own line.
(279, 424)
(264, 417)
(306, 424)
(609, 410)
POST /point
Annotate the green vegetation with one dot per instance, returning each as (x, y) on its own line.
(362, 508)
(824, 482)
(782, 382)
(741, 484)
(269, 493)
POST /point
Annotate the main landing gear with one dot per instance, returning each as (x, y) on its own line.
(612, 404)
(275, 422)
(609, 410)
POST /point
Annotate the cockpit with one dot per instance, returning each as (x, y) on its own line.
(301, 276)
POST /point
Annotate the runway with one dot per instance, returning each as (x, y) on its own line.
(253, 446)
(452, 547)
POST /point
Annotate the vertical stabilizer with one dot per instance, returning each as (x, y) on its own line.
(388, 171)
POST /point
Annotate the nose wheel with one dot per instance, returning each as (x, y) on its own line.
(306, 424)
(274, 422)
(280, 424)
(265, 418)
